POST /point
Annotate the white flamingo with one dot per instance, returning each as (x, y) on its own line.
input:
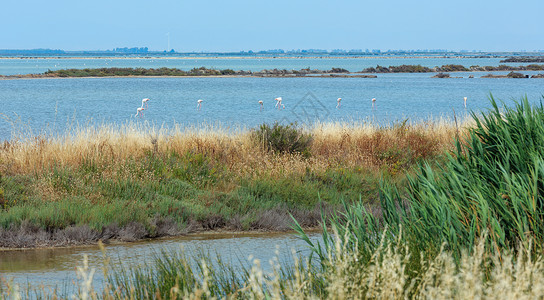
(278, 103)
(261, 103)
(139, 112)
(465, 102)
(144, 103)
(338, 100)
(199, 105)
(373, 102)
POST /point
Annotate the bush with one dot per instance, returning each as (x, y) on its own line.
(515, 75)
(339, 70)
(453, 68)
(227, 72)
(283, 138)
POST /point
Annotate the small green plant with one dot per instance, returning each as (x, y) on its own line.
(3, 202)
(196, 168)
(283, 138)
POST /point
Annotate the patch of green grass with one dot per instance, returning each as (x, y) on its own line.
(182, 188)
(331, 186)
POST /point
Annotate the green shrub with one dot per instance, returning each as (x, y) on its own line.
(453, 68)
(516, 75)
(283, 138)
(339, 70)
(227, 72)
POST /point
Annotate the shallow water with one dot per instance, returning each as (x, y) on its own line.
(59, 103)
(56, 267)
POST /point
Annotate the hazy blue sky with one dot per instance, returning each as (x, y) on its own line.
(219, 25)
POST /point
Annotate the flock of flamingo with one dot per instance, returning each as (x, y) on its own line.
(279, 105)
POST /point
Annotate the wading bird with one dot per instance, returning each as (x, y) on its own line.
(465, 102)
(144, 103)
(139, 112)
(338, 100)
(373, 102)
(261, 103)
(278, 103)
(199, 105)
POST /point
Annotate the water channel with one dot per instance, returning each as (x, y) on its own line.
(56, 267)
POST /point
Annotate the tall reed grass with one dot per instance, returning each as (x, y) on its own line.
(492, 182)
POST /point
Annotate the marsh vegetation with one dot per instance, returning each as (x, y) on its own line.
(456, 214)
(307, 72)
(131, 182)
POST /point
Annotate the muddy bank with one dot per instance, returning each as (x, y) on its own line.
(29, 235)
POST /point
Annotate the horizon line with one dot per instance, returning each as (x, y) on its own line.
(145, 50)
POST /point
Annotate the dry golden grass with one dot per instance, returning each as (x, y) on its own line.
(346, 144)
(359, 144)
(480, 274)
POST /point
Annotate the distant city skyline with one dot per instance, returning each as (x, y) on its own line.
(243, 25)
(144, 50)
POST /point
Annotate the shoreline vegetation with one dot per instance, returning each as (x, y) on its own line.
(465, 225)
(308, 73)
(129, 183)
(524, 59)
(512, 74)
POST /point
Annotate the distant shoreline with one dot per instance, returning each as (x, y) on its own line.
(15, 77)
(243, 57)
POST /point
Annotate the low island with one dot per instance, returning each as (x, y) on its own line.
(313, 73)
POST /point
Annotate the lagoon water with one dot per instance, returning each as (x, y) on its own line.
(52, 104)
(233, 102)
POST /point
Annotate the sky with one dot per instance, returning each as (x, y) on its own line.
(242, 25)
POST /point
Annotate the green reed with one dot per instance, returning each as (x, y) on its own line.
(492, 182)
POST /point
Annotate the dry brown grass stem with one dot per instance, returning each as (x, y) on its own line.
(353, 144)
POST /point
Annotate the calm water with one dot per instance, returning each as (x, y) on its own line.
(33, 65)
(54, 103)
(56, 267)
